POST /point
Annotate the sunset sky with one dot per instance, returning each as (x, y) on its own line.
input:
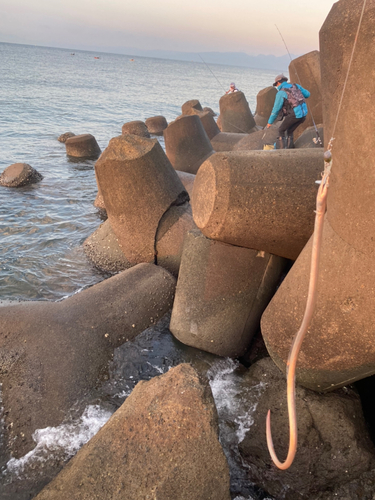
(192, 26)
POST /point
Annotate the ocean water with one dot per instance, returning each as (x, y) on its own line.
(46, 92)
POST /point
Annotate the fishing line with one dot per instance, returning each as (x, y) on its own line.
(318, 140)
(232, 124)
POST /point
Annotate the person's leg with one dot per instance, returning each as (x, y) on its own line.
(287, 128)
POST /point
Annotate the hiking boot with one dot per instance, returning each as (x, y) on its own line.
(289, 142)
(281, 143)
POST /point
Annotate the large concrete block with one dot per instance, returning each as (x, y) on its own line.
(265, 102)
(309, 138)
(221, 294)
(138, 185)
(136, 127)
(162, 443)
(187, 180)
(209, 124)
(305, 70)
(51, 354)
(227, 141)
(82, 146)
(19, 174)
(156, 124)
(263, 200)
(339, 346)
(235, 114)
(190, 107)
(187, 144)
(258, 140)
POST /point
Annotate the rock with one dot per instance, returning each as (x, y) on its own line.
(162, 443)
(235, 114)
(52, 353)
(308, 136)
(174, 225)
(265, 102)
(82, 146)
(64, 137)
(339, 347)
(258, 139)
(186, 144)
(189, 107)
(156, 124)
(136, 127)
(187, 180)
(221, 293)
(305, 70)
(333, 442)
(103, 249)
(139, 185)
(18, 175)
(264, 200)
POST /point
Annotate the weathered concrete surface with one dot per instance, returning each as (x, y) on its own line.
(156, 124)
(187, 144)
(170, 236)
(235, 114)
(226, 141)
(190, 107)
(139, 185)
(263, 200)
(82, 146)
(221, 293)
(187, 180)
(258, 140)
(209, 124)
(103, 249)
(265, 102)
(339, 346)
(65, 136)
(306, 139)
(136, 127)
(305, 70)
(18, 175)
(52, 353)
(334, 446)
(99, 201)
(162, 443)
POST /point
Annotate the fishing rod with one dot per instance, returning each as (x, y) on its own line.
(213, 74)
(318, 139)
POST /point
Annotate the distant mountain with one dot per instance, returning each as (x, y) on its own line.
(229, 58)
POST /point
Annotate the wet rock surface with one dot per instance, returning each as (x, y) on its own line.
(334, 447)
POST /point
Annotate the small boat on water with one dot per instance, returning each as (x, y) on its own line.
(132, 60)
(95, 57)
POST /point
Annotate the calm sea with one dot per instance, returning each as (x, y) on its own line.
(46, 92)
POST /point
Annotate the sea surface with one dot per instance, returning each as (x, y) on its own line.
(45, 92)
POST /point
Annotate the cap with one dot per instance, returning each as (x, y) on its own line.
(232, 84)
(279, 78)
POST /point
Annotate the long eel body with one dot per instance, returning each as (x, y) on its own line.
(321, 203)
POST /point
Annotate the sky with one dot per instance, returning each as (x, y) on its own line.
(189, 26)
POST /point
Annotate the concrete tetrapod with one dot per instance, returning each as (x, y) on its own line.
(305, 70)
(138, 185)
(339, 347)
(187, 144)
(263, 200)
(235, 114)
(162, 443)
(265, 102)
(222, 291)
(53, 353)
(136, 127)
(156, 124)
(82, 146)
(19, 174)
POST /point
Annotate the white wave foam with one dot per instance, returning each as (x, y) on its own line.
(60, 442)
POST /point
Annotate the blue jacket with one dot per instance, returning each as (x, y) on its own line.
(299, 111)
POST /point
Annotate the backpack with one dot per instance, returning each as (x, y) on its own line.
(295, 98)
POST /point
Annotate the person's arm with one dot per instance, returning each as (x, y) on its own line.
(279, 101)
(305, 92)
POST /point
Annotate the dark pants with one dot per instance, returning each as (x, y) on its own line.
(290, 124)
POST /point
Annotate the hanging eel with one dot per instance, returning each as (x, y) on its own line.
(321, 203)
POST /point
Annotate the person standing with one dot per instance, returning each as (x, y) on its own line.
(290, 100)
